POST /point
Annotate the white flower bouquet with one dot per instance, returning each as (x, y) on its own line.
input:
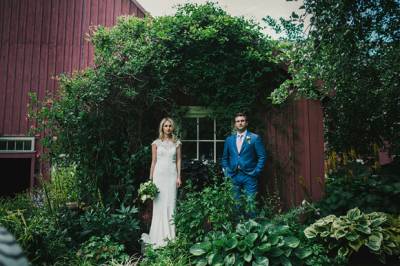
(148, 190)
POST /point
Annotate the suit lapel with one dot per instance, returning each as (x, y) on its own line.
(233, 143)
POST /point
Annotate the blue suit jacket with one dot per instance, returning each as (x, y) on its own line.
(250, 159)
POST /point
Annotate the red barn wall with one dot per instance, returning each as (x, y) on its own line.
(39, 39)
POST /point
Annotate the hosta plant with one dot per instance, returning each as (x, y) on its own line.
(251, 243)
(376, 231)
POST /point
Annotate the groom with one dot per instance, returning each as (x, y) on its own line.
(244, 158)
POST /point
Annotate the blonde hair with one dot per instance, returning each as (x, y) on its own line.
(161, 134)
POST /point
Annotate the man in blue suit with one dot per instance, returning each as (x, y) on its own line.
(244, 158)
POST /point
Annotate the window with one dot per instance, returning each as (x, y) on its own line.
(17, 144)
(203, 137)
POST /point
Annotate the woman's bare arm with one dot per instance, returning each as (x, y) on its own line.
(178, 165)
(153, 159)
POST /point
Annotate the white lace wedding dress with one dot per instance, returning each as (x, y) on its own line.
(162, 228)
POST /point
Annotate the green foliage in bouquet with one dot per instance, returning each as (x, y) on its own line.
(377, 232)
(262, 243)
(148, 190)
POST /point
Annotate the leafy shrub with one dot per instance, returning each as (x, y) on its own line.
(32, 218)
(210, 209)
(257, 243)
(99, 250)
(175, 253)
(357, 185)
(348, 234)
(121, 225)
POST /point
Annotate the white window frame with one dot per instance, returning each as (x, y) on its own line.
(197, 112)
(16, 139)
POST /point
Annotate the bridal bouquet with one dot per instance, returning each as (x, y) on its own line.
(148, 190)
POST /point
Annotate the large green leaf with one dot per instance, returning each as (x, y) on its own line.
(230, 259)
(303, 253)
(250, 238)
(352, 236)
(375, 241)
(248, 255)
(230, 243)
(201, 262)
(285, 261)
(310, 232)
(261, 261)
(200, 248)
(353, 214)
(356, 245)
(275, 252)
(264, 247)
(291, 241)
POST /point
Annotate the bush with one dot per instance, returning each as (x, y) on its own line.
(347, 234)
(358, 185)
(213, 208)
(175, 253)
(257, 243)
(99, 250)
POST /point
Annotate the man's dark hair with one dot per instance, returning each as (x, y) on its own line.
(239, 114)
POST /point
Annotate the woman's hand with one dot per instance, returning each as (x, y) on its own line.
(178, 182)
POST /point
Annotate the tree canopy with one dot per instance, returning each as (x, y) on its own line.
(348, 59)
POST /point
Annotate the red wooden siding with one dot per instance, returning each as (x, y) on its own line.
(39, 40)
(294, 140)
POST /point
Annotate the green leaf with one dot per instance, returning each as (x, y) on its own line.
(343, 252)
(261, 261)
(310, 232)
(264, 247)
(285, 261)
(229, 259)
(275, 252)
(250, 238)
(199, 249)
(375, 241)
(356, 245)
(303, 253)
(352, 236)
(274, 239)
(248, 256)
(230, 243)
(201, 262)
(291, 241)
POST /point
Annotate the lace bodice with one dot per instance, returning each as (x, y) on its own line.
(166, 150)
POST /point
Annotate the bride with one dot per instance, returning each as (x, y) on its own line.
(165, 171)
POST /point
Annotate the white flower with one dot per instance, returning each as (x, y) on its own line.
(360, 161)
(248, 139)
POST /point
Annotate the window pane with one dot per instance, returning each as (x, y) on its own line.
(3, 145)
(28, 145)
(189, 150)
(11, 145)
(206, 151)
(19, 145)
(206, 128)
(188, 128)
(220, 150)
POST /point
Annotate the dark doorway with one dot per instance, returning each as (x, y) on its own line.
(14, 176)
